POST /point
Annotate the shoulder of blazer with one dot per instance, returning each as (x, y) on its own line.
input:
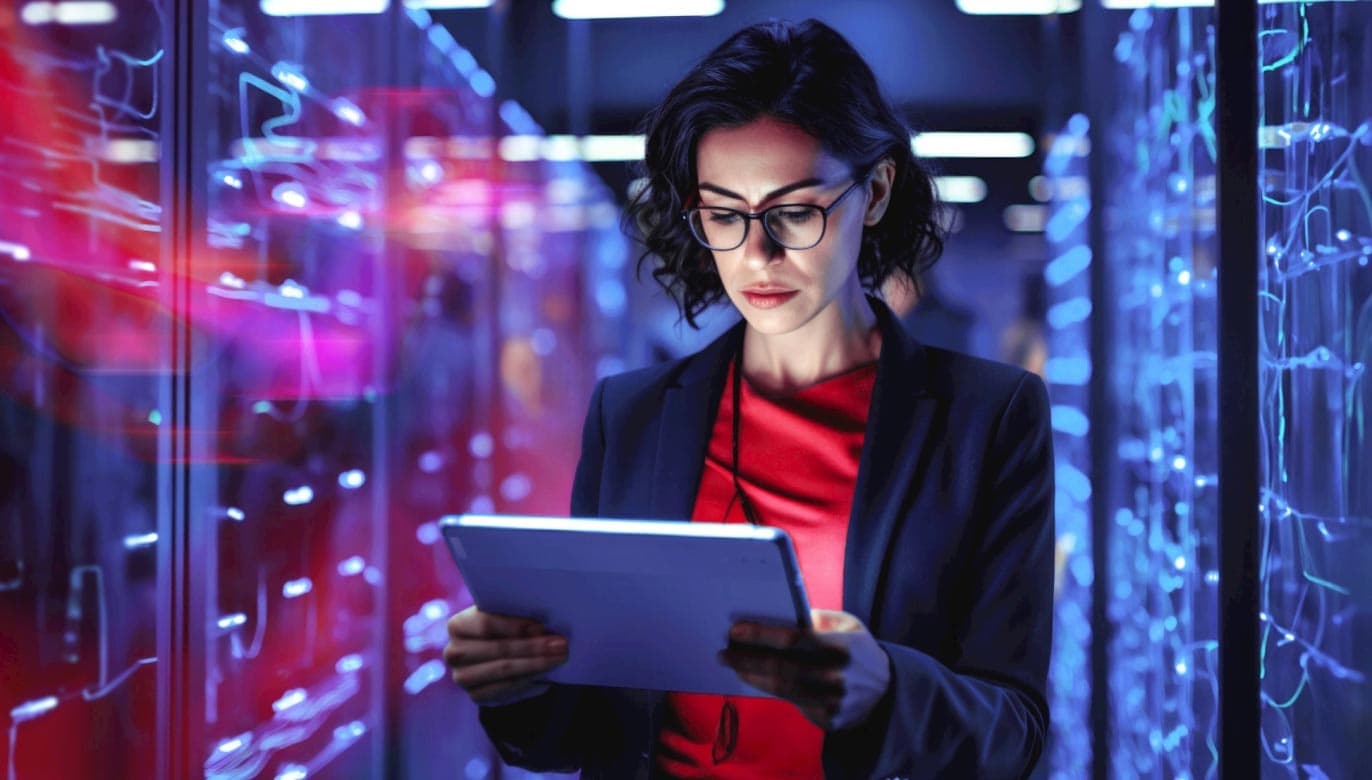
(632, 388)
(957, 375)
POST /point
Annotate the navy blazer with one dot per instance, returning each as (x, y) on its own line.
(949, 562)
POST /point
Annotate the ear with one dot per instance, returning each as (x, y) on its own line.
(883, 176)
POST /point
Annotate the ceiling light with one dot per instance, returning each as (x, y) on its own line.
(322, 7)
(635, 9)
(1018, 7)
(948, 144)
(444, 5)
(960, 189)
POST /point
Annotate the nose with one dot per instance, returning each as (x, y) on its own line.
(759, 250)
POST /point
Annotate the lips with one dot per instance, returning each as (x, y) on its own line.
(768, 297)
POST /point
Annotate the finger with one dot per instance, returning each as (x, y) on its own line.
(471, 651)
(763, 634)
(810, 654)
(782, 676)
(494, 691)
(833, 621)
(820, 715)
(478, 624)
(503, 670)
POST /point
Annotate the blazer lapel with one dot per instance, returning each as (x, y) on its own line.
(688, 416)
(897, 425)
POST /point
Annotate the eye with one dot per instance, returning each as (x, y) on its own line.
(797, 216)
(722, 217)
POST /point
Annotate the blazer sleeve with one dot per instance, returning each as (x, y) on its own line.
(548, 732)
(986, 715)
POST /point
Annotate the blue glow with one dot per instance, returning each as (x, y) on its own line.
(1066, 266)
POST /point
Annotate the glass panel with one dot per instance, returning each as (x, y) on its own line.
(1160, 220)
(83, 335)
(1316, 343)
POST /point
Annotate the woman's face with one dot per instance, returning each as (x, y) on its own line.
(764, 163)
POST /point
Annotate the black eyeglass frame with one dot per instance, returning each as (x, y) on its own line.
(761, 216)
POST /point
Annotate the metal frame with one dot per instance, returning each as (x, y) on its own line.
(1237, 198)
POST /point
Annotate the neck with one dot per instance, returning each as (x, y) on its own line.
(841, 337)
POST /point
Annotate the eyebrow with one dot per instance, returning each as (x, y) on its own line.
(799, 185)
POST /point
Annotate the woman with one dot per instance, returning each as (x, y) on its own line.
(915, 482)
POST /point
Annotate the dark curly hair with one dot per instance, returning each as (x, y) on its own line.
(809, 76)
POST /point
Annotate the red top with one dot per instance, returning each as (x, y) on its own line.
(798, 464)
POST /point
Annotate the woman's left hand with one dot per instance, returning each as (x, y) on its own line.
(834, 672)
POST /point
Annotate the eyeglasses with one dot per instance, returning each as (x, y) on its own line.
(790, 225)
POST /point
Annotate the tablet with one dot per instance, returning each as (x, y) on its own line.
(643, 604)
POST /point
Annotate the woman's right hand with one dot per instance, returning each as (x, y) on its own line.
(498, 659)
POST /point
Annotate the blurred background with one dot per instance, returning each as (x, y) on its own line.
(285, 282)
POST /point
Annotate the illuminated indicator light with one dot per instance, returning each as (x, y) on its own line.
(297, 588)
(516, 487)
(1068, 265)
(618, 9)
(33, 709)
(233, 41)
(1070, 420)
(351, 731)
(322, 7)
(288, 75)
(1179, 563)
(372, 575)
(481, 445)
(960, 189)
(291, 289)
(1018, 7)
(348, 664)
(352, 479)
(293, 772)
(427, 674)
(234, 514)
(1179, 463)
(232, 621)
(353, 221)
(1155, 291)
(155, 417)
(430, 171)
(1212, 578)
(71, 12)
(427, 533)
(482, 83)
(290, 194)
(972, 144)
(1068, 371)
(1290, 637)
(289, 699)
(1181, 667)
(232, 181)
(19, 252)
(430, 462)
(230, 745)
(1184, 278)
(351, 566)
(262, 407)
(135, 541)
(348, 113)
(435, 610)
(1069, 312)
(1343, 235)
(301, 495)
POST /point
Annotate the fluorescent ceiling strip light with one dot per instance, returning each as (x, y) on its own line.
(960, 189)
(447, 5)
(323, 7)
(635, 9)
(612, 148)
(1018, 7)
(70, 12)
(1122, 4)
(949, 144)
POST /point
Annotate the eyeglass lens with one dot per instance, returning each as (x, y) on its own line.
(793, 227)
